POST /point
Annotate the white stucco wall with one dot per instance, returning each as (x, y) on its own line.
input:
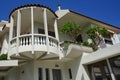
(76, 69)
(13, 74)
(64, 37)
(24, 72)
(5, 44)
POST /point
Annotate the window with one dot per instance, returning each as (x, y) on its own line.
(40, 74)
(41, 31)
(50, 33)
(99, 71)
(115, 64)
(47, 74)
(107, 39)
(70, 73)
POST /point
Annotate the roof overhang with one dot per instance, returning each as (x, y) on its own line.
(6, 65)
(81, 19)
(102, 54)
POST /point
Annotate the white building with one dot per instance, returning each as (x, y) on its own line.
(32, 40)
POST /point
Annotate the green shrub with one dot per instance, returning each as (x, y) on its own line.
(3, 57)
(85, 43)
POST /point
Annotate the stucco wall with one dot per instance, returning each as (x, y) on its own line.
(24, 72)
(74, 66)
(13, 74)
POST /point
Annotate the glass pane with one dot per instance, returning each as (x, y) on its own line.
(70, 73)
(47, 74)
(115, 63)
(40, 73)
(41, 31)
(99, 71)
(50, 33)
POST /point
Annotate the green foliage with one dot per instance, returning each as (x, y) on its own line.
(3, 57)
(95, 33)
(71, 29)
(66, 43)
(85, 43)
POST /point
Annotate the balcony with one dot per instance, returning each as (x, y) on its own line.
(73, 50)
(40, 45)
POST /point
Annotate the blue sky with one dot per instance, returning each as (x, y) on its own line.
(103, 10)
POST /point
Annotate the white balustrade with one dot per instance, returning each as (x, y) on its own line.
(13, 42)
(25, 40)
(39, 40)
(53, 42)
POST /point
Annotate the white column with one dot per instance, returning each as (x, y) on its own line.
(56, 29)
(46, 28)
(32, 29)
(10, 34)
(11, 28)
(110, 69)
(51, 74)
(57, 37)
(18, 29)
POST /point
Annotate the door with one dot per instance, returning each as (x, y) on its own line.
(57, 74)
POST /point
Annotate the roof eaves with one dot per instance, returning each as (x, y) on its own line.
(30, 5)
(94, 19)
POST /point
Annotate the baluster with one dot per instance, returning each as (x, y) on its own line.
(23, 41)
(20, 41)
(52, 42)
(56, 44)
(34, 39)
(49, 41)
(30, 40)
(38, 40)
(15, 42)
(43, 40)
(27, 40)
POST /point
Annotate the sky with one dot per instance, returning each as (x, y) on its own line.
(104, 10)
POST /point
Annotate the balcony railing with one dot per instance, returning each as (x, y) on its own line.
(39, 43)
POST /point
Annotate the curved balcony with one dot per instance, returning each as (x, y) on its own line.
(40, 45)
